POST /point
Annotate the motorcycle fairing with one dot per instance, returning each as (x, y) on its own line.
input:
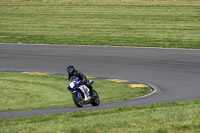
(85, 90)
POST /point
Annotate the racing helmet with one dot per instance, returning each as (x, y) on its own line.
(70, 69)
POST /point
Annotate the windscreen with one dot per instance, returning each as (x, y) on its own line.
(73, 78)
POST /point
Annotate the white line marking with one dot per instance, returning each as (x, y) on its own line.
(102, 46)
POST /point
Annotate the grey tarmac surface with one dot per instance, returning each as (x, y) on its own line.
(175, 72)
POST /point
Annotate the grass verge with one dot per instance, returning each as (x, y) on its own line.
(149, 23)
(178, 117)
(19, 91)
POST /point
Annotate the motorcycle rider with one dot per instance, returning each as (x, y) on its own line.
(72, 72)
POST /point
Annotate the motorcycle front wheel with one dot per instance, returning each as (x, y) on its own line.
(78, 101)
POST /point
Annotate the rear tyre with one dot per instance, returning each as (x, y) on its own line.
(95, 99)
(78, 101)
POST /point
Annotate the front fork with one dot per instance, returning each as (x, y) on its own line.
(79, 94)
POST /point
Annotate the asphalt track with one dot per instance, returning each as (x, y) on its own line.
(175, 72)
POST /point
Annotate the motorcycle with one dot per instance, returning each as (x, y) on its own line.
(81, 94)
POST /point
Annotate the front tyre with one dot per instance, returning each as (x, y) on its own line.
(78, 101)
(95, 99)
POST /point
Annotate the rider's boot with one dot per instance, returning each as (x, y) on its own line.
(91, 90)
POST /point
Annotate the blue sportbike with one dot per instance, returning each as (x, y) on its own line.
(81, 94)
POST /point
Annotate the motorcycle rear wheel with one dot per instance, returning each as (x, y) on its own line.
(95, 99)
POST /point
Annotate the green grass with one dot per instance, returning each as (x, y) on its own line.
(20, 91)
(177, 117)
(149, 23)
